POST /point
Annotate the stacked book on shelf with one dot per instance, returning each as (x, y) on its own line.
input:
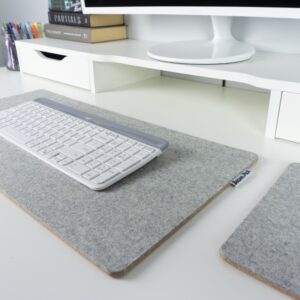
(67, 22)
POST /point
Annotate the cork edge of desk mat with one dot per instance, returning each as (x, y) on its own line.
(55, 234)
(258, 277)
(251, 273)
(146, 253)
(141, 258)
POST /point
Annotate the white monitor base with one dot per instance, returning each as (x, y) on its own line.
(222, 49)
(202, 52)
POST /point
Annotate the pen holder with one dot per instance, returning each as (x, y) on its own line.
(12, 57)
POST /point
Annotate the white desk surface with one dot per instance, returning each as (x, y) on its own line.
(36, 265)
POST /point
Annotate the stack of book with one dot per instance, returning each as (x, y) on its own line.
(67, 22)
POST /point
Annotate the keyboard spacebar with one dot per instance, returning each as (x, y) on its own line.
(14, 135)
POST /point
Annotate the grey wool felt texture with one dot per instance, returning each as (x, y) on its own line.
(267, 243)
(118, 227)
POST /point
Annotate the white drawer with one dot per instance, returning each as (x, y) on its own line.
(66, 69)
(288, 126)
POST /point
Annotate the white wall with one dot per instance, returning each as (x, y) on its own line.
(22, 11)
(266, 34)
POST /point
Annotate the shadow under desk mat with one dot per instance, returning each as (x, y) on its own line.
(267, 243)
(116, 228)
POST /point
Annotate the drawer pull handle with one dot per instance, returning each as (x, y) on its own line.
(52, 55)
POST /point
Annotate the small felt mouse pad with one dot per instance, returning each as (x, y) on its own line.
(267, 243)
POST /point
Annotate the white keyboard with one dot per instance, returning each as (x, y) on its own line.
(92, 150)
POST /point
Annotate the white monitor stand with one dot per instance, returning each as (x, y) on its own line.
(223, 48)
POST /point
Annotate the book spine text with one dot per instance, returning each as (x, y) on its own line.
(70, 19)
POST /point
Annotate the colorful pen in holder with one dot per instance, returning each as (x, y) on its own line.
(12, 57)
(14, 31)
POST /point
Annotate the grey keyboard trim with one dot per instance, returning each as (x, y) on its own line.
(129, 132)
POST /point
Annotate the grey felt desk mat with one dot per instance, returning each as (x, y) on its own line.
(267, 243)
(118, 227)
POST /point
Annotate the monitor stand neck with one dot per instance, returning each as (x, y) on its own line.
(222, 28)
(223, 48)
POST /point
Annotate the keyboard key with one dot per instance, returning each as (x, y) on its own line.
(70, 142)
(71, 133)
(140, 145)
(129, 163)
(102, 168)
(49, 132)
(50, 142)
(95, 144)
(114, 152)
(123, 147)
(44, 131)
(2, 115)
(39, 147)
(90, 175)
(52, 154)
(32, 143)
(132, 151)
(69, 152)
(106, 148)
(78, 168)
(57, 135)
(45, 151)
(16, 135)
(65, 162)
(113, 162)
(63, 139)
(77, 136)
(106, 176)
(117, 142)
(131, 142)
(86, 159)
(91, 133)
(96, 154)
(113, 134)
(102, 137)
(59, 128)
(104, 158)
(85, 140)
(85, 130)
(65, 130)
(84, 149)
(123, 156)
(78, 127)
(56, 145)
(59, 157)
(150, 149)
(142, 154)
(93, 164)
(98, 129)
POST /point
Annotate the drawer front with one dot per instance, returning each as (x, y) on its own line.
(66, 69)
(288, 126)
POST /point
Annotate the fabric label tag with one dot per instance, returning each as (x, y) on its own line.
(240, 178)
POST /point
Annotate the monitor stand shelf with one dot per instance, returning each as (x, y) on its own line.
(105, 66)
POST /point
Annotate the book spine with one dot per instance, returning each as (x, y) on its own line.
(65, 5)
(82, 35)
(70, 19)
